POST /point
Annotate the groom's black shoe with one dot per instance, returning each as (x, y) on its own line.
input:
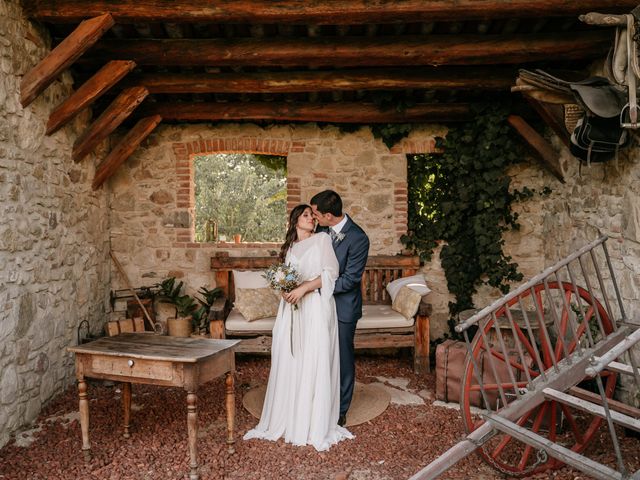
(342, 420)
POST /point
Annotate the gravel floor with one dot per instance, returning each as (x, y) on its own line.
(392, 446)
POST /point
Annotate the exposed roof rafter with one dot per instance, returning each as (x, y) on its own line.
(450, 78)
(325, 12)
(339, 112)
(359, 51)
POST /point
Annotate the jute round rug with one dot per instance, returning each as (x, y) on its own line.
(368, 402)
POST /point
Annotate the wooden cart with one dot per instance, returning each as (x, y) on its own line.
(551, 375)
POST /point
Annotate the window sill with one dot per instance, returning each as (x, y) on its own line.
(244, 244)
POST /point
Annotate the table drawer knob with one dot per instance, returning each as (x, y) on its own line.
(130, 363)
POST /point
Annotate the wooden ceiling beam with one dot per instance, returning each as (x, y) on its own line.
(108, 121)
(61, 57)
(359, 51)
(326, 12)
(343, 112)
(88, 93)
(450, 78)
(124, 149)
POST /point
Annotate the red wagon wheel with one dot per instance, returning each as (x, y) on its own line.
(559, 423)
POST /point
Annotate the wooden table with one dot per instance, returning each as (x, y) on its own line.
(157, 360)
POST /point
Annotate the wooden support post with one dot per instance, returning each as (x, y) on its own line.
(539, 145)
(113, 116)
(218, 313)
(61, 57)
(88, 93)
(344, 112)
(124, 149)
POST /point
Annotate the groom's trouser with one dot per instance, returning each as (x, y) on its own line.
(346, 333)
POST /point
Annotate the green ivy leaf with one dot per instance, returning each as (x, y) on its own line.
(462, 197)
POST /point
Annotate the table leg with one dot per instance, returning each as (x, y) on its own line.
(192, 427)
(84, 418)
(126, 404)
(231, 411)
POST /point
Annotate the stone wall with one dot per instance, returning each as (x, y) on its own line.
(603, 199)
(54, 269)
(152, 206)
(55, 232)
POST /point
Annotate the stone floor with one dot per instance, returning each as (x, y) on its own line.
(410, 433)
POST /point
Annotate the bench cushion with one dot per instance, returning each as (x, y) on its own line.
(373, 316)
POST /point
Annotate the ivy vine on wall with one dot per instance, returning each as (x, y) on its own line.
(462, 197)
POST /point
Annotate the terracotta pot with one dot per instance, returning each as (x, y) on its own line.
(237, 238)
(179, 327)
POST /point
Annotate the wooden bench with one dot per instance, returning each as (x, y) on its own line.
(379, 271)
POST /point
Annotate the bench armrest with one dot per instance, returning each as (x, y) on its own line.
(217, 316)
(220, 309)
(425, 308)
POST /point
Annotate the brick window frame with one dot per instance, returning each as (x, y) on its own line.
(185, 152)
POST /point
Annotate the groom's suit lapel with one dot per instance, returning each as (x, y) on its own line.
(340, 245)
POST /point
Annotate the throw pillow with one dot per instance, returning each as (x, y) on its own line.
(248, 279)
(407, 302)
(255, 303)
(415, 282)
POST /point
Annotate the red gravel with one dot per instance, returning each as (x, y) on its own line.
(392, 446)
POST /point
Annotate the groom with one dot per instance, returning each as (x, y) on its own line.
(351, 246)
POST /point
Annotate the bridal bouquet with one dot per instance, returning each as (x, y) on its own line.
(283, 277)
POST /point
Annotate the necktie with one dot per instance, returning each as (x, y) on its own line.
(333, 234)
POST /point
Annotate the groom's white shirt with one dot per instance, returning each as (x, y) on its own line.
(337, 227)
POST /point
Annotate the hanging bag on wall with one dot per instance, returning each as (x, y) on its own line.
(598, 135)
(597, 139)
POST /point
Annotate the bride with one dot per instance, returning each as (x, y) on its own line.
(303, 393)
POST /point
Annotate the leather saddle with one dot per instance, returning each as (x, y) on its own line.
(596, 95)
(599, 134)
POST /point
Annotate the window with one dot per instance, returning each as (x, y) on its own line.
(240, 194)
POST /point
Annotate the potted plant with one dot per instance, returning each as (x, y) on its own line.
(201, 314)
(180, 325)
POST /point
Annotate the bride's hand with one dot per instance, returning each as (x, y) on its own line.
(295, 295)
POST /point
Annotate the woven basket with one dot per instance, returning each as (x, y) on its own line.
(179, 327)
(572, 113)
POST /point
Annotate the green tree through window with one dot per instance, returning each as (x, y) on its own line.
(242, 194)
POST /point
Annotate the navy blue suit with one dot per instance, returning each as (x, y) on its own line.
(352, 252)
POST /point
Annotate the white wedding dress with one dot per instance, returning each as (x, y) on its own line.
(303, 393)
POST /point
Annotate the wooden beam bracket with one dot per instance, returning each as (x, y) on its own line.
(88, 93)
(124, 149)
(539, 145)
(64, 55)
(116, 113)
